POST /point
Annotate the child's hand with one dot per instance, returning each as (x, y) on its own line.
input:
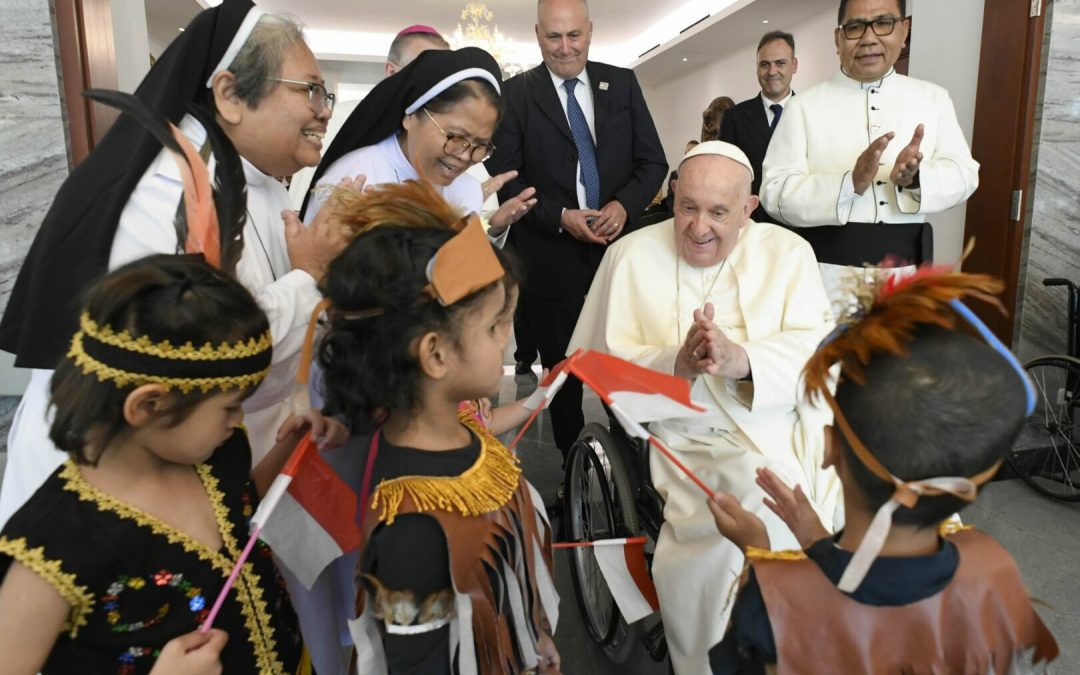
(792, 507)
(192, 654)
(550, 661)
(483, 409)
(743, 528)
(327, 432)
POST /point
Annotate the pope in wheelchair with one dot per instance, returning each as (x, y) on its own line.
(737, 308)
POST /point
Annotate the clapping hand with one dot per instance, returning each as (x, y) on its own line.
(741, 527)
(707, 350)
(511, 211)
(868, 163)
(792, 507)
(908, 161)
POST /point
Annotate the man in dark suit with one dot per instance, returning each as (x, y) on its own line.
(750, 124)
(580, 133)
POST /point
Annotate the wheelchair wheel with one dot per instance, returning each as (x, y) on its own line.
(1047, 453)
(599, 505)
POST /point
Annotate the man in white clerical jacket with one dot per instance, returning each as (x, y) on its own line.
(736, 307)
(858, 162)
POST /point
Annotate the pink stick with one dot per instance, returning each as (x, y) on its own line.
(588, 544)
(205, 627)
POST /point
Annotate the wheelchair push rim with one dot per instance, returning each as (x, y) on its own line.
(1046, 454)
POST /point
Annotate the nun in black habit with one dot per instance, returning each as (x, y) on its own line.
(120, 203)
(430, 121)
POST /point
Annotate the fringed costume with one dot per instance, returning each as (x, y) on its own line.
(456, 575)
(960, 609)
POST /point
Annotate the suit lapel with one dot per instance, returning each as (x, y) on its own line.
(601, 101)
(543, 92)
(761, 122)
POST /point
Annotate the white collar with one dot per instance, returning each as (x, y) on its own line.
(583, 77)
(767, 102)
(876, 84)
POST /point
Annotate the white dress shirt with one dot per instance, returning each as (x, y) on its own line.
(767, 102)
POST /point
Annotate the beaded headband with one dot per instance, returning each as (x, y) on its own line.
(125, 361)
(931, 297)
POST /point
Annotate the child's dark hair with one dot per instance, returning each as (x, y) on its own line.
(368, 368)
(951, 407)
(163, 297)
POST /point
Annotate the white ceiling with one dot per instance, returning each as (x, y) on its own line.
(643, 34)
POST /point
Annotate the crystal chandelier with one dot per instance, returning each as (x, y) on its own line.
(479, 32)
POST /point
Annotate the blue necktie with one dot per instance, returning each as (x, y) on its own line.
(579, 128)
(777, 110)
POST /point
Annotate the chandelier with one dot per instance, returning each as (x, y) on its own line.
(479, 32)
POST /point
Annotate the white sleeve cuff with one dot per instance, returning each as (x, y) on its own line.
(846, 200)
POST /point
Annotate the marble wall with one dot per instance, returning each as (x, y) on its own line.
(1053, 239)
(33, 153)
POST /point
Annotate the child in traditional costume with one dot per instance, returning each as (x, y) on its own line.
(924, 414)
(413, 203)
(456, 570)
(127, 544)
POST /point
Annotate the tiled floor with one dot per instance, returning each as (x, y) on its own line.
(1042, 535)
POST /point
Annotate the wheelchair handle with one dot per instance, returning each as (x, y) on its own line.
(1057, 281)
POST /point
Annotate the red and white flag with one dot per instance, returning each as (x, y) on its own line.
(546, 390)
(314, 515)
(622, 562)
(643, 394)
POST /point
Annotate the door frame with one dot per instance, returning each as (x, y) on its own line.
(1009, 67)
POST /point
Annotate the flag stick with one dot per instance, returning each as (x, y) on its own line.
(675, 460)
(266, 507)
(229, 584)
(629, 541)
(528, 423)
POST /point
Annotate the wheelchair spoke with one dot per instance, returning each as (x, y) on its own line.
(1046, 454)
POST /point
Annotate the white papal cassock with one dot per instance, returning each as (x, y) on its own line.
(806, 175)
(768, 297)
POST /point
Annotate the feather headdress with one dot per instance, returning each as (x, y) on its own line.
(885, 320)
(884, 323)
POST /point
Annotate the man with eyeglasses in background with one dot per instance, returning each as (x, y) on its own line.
(861, 159)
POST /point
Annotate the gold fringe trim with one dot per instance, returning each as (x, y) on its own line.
(165, 350)
(485, 487)
(122, 378)
(952, 527)
(763, 554)
(78, 596)
(248, 587)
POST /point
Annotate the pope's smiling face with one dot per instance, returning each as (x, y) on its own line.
(712, 203)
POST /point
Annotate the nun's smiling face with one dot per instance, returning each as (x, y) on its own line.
(284, 133)
(425, 144)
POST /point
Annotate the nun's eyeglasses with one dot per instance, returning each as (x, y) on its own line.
(455, 144)
(318, 97)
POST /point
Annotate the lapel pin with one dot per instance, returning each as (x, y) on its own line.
(603, 86)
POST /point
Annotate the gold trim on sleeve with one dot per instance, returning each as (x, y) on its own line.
(78, 596)
(762, 554)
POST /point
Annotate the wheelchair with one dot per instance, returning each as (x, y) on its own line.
(608, 494)
(1046, 454)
